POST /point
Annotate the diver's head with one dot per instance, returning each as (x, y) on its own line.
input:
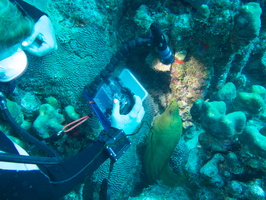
(14, 28)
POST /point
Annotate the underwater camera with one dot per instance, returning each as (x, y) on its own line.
(123, 88)
(104, 89)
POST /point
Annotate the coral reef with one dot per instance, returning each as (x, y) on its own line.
(248, 21)
(210, 171)
(229, 152)
(212, 36)
(52, 101)
(217, 124)
(16, 112)
(197, 4)
(28, 101)
(161, 191)
(252, 103)
(252, 139)
(219, 84)
(226, 94)
(189, 81)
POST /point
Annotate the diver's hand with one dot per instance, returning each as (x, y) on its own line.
(42, 40)
(128, 123)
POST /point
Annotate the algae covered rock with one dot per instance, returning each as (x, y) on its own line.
(161, 142)
(248, 21)
(249, 103)
(216, 122)
(48, 122)
(221, 129)
(254, 141)
(227, 94)
(30, 104)
(211, 173)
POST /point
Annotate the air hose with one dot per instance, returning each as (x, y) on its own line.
(55, 159)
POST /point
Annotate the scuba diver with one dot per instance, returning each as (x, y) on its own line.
(23, 176)
(24, 27)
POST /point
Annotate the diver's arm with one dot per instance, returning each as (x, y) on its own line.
(29, 10)
(55, 181)
(42, 40)
(111, 143)
(76, 167)
(38, 184)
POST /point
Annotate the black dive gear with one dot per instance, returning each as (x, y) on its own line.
(116, 142)
(165, 54)
(55, 159)
(28, 10)
(105, 192)
(8, 87)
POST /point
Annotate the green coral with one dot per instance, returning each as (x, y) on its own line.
(249, 103)
(71, 113)
(52, 101)
(161, 142)
(254, 141)
(260, 90)
(48, 122)
(227, 94)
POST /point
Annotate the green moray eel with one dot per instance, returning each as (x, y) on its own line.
(163, 137)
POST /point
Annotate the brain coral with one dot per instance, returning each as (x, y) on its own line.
(65, 72)
(83, 51)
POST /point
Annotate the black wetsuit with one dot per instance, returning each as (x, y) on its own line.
(28, 10)
(50, 182)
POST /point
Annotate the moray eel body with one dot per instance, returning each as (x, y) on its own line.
(161, 142)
